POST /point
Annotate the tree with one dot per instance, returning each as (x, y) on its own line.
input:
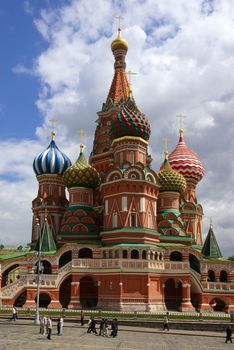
(231, 258)
(1, 246)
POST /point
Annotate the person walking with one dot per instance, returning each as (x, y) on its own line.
(82, 317)
(44, 325)
(166, 323)
(115, 328)
(105, 328)
(61, 322)
(101, 326)
(89, 325)
(14, 314)
(41, 325)
(58, 326)
(49, 326)
(228, 334)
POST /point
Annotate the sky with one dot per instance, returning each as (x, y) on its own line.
(56, 63)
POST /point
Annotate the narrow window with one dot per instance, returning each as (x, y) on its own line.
(106, 207)
(124, 204)
(114, 220)
(133, 220)
(142, 204)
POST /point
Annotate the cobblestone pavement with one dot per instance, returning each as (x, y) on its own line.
(26, 336)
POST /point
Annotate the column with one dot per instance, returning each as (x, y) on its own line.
(186, 298)
(75, 293)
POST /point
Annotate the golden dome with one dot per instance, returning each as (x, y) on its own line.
(169, 179)
(119, 43)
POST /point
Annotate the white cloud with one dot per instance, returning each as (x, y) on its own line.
(183, 56)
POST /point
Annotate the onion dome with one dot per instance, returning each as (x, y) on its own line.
(81, 173)
(119, 43)
(130, 122)
(186, 162)
(51, 160)
(169, 179)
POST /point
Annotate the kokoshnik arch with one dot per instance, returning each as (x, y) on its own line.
(128, 237)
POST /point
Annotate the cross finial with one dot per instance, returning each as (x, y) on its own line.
(119, 19)
(129, 75)
(53, 123)
(165, 147)
(181, 120)
(82, 134)
(211, 222)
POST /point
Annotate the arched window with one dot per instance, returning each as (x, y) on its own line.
(125, 254)
(116, 254)
(144, 254)
(211, 276)
(104, 254)
(85, 253)
(176, 256)
(133, 220)
(223, 276)
(134, 254)
(114, 220)
(132, 157)
(194, 263)
(110, 254)
(47, 270)
(65, 258)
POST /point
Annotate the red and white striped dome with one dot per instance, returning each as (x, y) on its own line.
(186, 162)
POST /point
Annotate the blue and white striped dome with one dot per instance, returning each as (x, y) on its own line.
(51, 161)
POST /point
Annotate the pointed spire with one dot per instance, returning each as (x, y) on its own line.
(210, 247)
(46, 240)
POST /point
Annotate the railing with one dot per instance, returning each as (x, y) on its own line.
(176, 265)
(219, 286)
(117, 264)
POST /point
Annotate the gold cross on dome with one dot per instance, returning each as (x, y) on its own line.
(181, 120)
(129, 75)
(119, 19)
(82, 134)
(165, 145)
(53, 123)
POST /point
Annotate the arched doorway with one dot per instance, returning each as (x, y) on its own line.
(176, 256)
(65, 292)
(85, 253)
(218, 304)
(195, 293)
(44, 300)
(65, 258)
(173, 294)
(88, 292)
(194, 263)
(20, 301)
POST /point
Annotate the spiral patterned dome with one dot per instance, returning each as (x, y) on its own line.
(51, 161)
(169, 179)
(130, 122)
(119, 43)
(81, 173)
(186, 162)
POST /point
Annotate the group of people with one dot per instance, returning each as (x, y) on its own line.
(46, 326)
(105, 329)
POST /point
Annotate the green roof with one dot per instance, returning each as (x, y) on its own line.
(210, 247)
(46, 240)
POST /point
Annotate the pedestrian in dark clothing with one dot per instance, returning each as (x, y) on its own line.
(49, 326)
(58, 326)
(92, 326)
(82, 317)
(166, 323)
(114, 328)
(228, 334)
(101, 326)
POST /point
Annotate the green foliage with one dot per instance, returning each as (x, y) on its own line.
(231, 258)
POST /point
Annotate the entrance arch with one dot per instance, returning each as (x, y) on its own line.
(65, 292)
(218, 304)
(44, 300)
(173, 294)
(88, 292)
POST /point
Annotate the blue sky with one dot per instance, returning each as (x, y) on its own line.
(56, 62)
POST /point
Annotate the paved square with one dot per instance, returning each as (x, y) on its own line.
(23, 336)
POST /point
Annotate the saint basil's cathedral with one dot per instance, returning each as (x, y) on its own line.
(128, 237)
